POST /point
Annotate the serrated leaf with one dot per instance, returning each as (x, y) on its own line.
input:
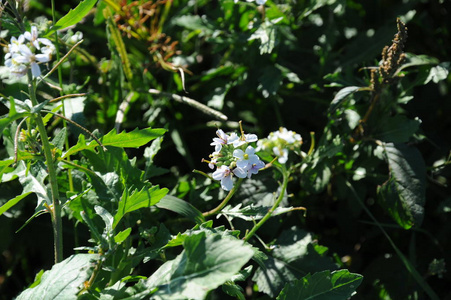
(133, 139)
(74, 15)
(295, 255)
(12, 202)
(146, 197)
(181, 207)
(404, 194)
(206, 263)
(323, 285)
(63, 281)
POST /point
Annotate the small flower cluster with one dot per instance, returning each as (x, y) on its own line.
(22, 53)
(234, 156)
(280, 142)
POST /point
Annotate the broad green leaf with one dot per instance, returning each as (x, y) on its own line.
(404, 193)
(342, 95)
(146, 197)
(12, 202)
(295, 255)
(323, 285)
(133, 139)
(74, 15)
(418, 60)
(181, 207)
(398, 129)
(33, 181)
(63, 281)
(206, 263)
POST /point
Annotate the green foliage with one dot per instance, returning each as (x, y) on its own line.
(105, 144)
(322, 285)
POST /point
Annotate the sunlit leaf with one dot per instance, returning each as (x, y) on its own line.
(12, 202)
(181, 207)
(325, 285)
(206, 263)
(74, 15)
(133, 139)
(146, 197)
(404, 194)
(63, 281)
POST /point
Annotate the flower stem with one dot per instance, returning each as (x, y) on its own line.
(225, 201)
(286, 176)
(55, 210)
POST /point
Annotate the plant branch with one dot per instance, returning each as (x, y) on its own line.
(268, 215)
(225, 201)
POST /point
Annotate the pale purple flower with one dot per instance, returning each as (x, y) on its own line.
(224, 174)
(221, 140)
(255, 168)
(245, 158)
(29, 58)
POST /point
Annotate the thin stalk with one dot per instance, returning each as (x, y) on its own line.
(268, 215)
(60, 80)
(225, 201)
(55, 210)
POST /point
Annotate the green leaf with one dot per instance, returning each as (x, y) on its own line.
(182, 208)
(74, 15)
(63, 281)
(295, 255)
(133, 139)
(398, 129)
(146, 197)
(206, 263)
(122, 236)
(12, 202)
(403, 194)
(323, 285)
(342, 95)
(13, 115)
(251, 212)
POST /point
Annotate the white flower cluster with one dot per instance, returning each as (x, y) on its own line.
(27, 51)
(280, 142)
(234, 155)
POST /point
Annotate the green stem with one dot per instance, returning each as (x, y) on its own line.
(55, 210)
(60, 80)
(225, 201)
(286, 176)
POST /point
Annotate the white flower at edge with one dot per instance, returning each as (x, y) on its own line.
(221, 140)
(224, 174)
(238, 141)
(245, 158)
(29, 58)
(283, 156)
